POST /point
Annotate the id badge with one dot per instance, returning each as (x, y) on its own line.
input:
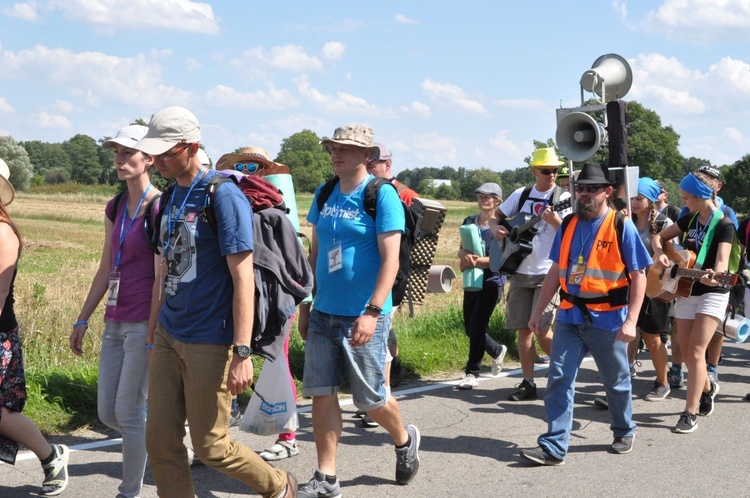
(334, 257)
(114, 288)
(576, 274)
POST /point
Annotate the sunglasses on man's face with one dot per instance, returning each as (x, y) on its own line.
(249, 167)
(591, 189)
(547, 171)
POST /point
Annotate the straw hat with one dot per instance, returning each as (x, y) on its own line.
(254, 154)
(7, 193)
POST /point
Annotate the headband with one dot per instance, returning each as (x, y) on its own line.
(692, 185)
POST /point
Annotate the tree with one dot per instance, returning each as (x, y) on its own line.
(308, 162)
(474, 179)
(736, 189)
(17, 159)
(47, 156)
(84, 155)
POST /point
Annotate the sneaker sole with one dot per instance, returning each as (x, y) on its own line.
(713, 402)
(541, 461)
(685, 431)
(65, 454)
(614, 451)
(499, 359)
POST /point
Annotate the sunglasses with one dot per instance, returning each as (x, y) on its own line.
(165, 156)
(591, 189)
(249, 167)
(547, 171)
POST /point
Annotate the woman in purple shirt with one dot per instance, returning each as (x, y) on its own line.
(126, 277)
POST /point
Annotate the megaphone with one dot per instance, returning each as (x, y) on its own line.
(610, 77)
(579, 136)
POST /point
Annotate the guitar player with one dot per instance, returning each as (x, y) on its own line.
(526, 282)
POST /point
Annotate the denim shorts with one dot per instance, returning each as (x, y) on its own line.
(329, 359)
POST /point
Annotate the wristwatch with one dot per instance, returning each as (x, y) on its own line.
(242, 351)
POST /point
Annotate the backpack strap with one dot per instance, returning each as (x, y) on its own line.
(325, 191)
(116, 208)
(207, 210)
(524, 197)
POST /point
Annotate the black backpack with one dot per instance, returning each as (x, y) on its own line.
(413, 219)
(148, 218)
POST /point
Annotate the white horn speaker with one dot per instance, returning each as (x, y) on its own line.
(611, 72)
(579, 136)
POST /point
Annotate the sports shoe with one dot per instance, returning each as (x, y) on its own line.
(658, 393)
(359, 414)
(524, 391)
(687, 423)
(407, 459)
(468, 382)
(542, 360)
(318, 487)
(56, 472)
(541, 457)
(713, 373)
(706, 406)
(622, 445)
(193, 459)
(291, 486)
(601, 402)
(497, 363)
(633, 373)
(280, 450)
(234, 418)
(367, 422)
(675, 377)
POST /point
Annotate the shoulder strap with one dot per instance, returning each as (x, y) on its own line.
(325, 191)
(524, 197)
(707, 239)
(371, 194)
(207, 210)
(116, 207)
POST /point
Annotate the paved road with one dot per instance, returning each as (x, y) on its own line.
(470, 444)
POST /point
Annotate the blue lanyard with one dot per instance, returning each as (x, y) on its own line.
(346, 199)
(171, 221)
(123, 231)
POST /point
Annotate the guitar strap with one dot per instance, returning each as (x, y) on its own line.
(707, 239)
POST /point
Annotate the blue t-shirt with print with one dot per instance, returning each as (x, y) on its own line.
(634, 255)
(198, 285)
(346, 291)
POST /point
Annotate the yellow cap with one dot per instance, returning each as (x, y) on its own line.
(545, 157)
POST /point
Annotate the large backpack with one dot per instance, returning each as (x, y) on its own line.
(413, 219)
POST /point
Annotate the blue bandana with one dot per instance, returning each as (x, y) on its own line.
(648, 189)
(693, 185)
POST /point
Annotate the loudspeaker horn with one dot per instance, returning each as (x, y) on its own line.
(611, 72)
(579, 136)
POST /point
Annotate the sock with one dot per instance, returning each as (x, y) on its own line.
(51, 456)
(387, 392)
(405, 445)
(712, 368)
(331, 479)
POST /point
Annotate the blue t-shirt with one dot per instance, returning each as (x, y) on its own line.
(346, 291)
(198, 287)
(634, 255)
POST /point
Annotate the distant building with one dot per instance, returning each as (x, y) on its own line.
(438, 183)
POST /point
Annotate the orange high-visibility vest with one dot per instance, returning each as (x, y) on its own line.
(605, 270)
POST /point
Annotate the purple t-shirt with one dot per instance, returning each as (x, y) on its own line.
(136, 267)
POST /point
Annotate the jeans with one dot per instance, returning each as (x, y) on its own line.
(123, 378)
(190, 381)
(569, 346)
(478, 308)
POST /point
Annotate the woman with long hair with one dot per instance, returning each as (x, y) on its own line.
(126, 276)
(15, 427)
(709, 234)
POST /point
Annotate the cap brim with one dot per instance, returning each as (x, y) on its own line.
(7, 192)
(154, 146)
(346, 142)
(125, 142)
(227, 161)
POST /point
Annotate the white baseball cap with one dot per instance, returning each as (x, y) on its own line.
(169, 127)
(128, 136)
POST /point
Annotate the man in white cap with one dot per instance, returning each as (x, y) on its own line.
(201, 337)
(355, 259)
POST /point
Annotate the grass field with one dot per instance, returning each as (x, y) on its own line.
(62, 235)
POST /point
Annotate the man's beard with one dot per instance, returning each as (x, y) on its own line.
(590, 209)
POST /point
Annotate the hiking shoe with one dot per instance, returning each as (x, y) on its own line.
(687, 423)
(601, 402)
(367, 422)
(407, 459)
(524, 391)
(234, 418)
(713, 373)
(280, 451)
(318, 487)
(658, 393)
(468, 382)
(497, 363)
(540, 457)
(622, 445)
(706, 406)
(675, 378)
(56, 472)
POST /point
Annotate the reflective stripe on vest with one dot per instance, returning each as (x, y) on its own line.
(605, 269)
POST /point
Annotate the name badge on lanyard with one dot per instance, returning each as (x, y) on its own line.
(114, 288)
(334, 257)
(576, 272)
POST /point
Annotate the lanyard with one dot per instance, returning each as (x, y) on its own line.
(346, 199)
(594, 227)
(124, 232)
(699, 234)
(171, 221)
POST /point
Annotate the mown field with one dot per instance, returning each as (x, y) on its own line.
(62, 235)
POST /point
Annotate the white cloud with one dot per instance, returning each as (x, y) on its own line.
(25, 11)
(523, 104)
(5, 106)
(701, 21)
(734, 135)
(402, 19)
(417, 108)
(504, 146)
(286, 57)
(433, 149)
(55, 121)
(451, 95)
(93, 76)
(666, 82)
(64, 106)
(192, 64)
(340, 103)
(177, 15)
(333, 51)
(272, 99)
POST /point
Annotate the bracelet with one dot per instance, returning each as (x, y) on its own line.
(149, 346)
(372, 307)
(85, 323)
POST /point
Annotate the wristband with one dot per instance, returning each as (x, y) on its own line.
(372, 307)
(149, 346)
(85, 323)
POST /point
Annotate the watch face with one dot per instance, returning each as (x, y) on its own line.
(242, 351)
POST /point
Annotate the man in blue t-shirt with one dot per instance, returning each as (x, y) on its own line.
(600, 271)
(202, 319)
(355, 259)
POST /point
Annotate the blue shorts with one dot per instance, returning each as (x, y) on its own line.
(329, 359)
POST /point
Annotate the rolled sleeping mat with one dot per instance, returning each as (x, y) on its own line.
(737, 329)
(284, 183)
(440, 279)
(473, 278)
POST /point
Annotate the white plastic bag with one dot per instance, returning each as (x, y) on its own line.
(272, 408)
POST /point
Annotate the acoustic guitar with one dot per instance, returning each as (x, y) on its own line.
(507, 254)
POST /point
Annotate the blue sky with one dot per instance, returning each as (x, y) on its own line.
(467, 84)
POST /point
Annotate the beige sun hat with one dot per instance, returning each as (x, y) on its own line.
(7, 192)
(251, 155)
(351, 134)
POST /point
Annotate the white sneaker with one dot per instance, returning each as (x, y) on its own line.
(468, 382)
(497, 363)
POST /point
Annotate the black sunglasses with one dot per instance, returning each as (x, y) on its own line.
(547, 171)
(165, 156)
(591, 189)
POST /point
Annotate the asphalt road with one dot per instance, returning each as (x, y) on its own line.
(470, 445)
